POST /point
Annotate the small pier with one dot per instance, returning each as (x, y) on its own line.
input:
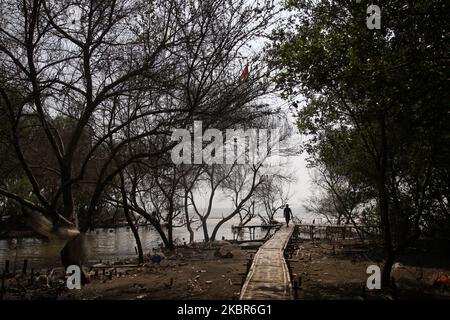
(236, 230)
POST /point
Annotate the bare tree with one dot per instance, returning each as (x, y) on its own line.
(212, 179)
(273, 196)
(241, 184)
(77, 70)
(189, 182)
(105, 87)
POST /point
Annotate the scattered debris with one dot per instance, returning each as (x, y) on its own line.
(441, 280)
(156, 258)
(397, 265)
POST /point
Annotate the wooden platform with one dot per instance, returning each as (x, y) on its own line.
(268, 277)
(252, 229)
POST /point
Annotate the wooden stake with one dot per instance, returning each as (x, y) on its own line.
(25, 266)
(6, 271)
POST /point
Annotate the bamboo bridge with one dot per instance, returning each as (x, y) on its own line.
(268, 277)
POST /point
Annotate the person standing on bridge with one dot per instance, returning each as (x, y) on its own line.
(287, 214)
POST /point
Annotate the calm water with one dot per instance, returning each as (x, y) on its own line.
(105, 244)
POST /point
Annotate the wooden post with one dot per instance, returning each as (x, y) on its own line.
(32, 276)
(6, 270)
(249, 263)
(2, 287)
(295, 290)
(290, 271)
(25, 266)
(394, 288)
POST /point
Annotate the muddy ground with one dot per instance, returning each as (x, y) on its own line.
(325, 270)
(338, 271)
(187, 273)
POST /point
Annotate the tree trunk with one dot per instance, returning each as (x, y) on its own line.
(384, 209)
(386, 271)
(75, 252)
(129, 220)
(155, 223)
(170, 244)
(161, 233)
(67, 194)
(205, 229)
(220, 223)
(216, 229)
(188, 222)
(170, 227)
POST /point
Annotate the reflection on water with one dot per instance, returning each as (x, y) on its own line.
(105, 244)
(110, 244)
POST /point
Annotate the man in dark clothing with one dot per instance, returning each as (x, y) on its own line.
(287, 214)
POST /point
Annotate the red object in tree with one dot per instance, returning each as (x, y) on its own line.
(244, 74)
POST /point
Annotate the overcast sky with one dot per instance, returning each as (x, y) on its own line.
(302, 188)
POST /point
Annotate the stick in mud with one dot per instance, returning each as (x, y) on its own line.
(295, 290)
(25, 266)
(6, 271)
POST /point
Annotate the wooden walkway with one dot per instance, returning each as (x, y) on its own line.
(268, 277)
